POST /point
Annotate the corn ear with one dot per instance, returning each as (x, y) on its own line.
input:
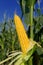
(25, 43)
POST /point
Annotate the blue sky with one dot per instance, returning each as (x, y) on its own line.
(8, 7)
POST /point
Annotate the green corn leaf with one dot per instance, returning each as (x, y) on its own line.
(39, 50)
(30, 2)
(25, 5)
(29, 54)
(22, 63)
(19, 61)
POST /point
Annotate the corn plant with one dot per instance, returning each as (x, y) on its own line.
(31, 52)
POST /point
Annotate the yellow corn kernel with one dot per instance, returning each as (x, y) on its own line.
(24, 41)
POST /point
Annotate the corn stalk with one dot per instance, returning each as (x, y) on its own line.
(31, 21)
(31, 29)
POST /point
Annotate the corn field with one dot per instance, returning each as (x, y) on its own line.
(19, 45)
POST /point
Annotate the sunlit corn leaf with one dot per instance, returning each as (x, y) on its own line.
(22, 63)
(10, 57)
(25, 57)
(15, 53)
(18, 62)
(15, 59)
(29, 54)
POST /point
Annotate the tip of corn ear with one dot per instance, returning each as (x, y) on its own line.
(16, 17)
